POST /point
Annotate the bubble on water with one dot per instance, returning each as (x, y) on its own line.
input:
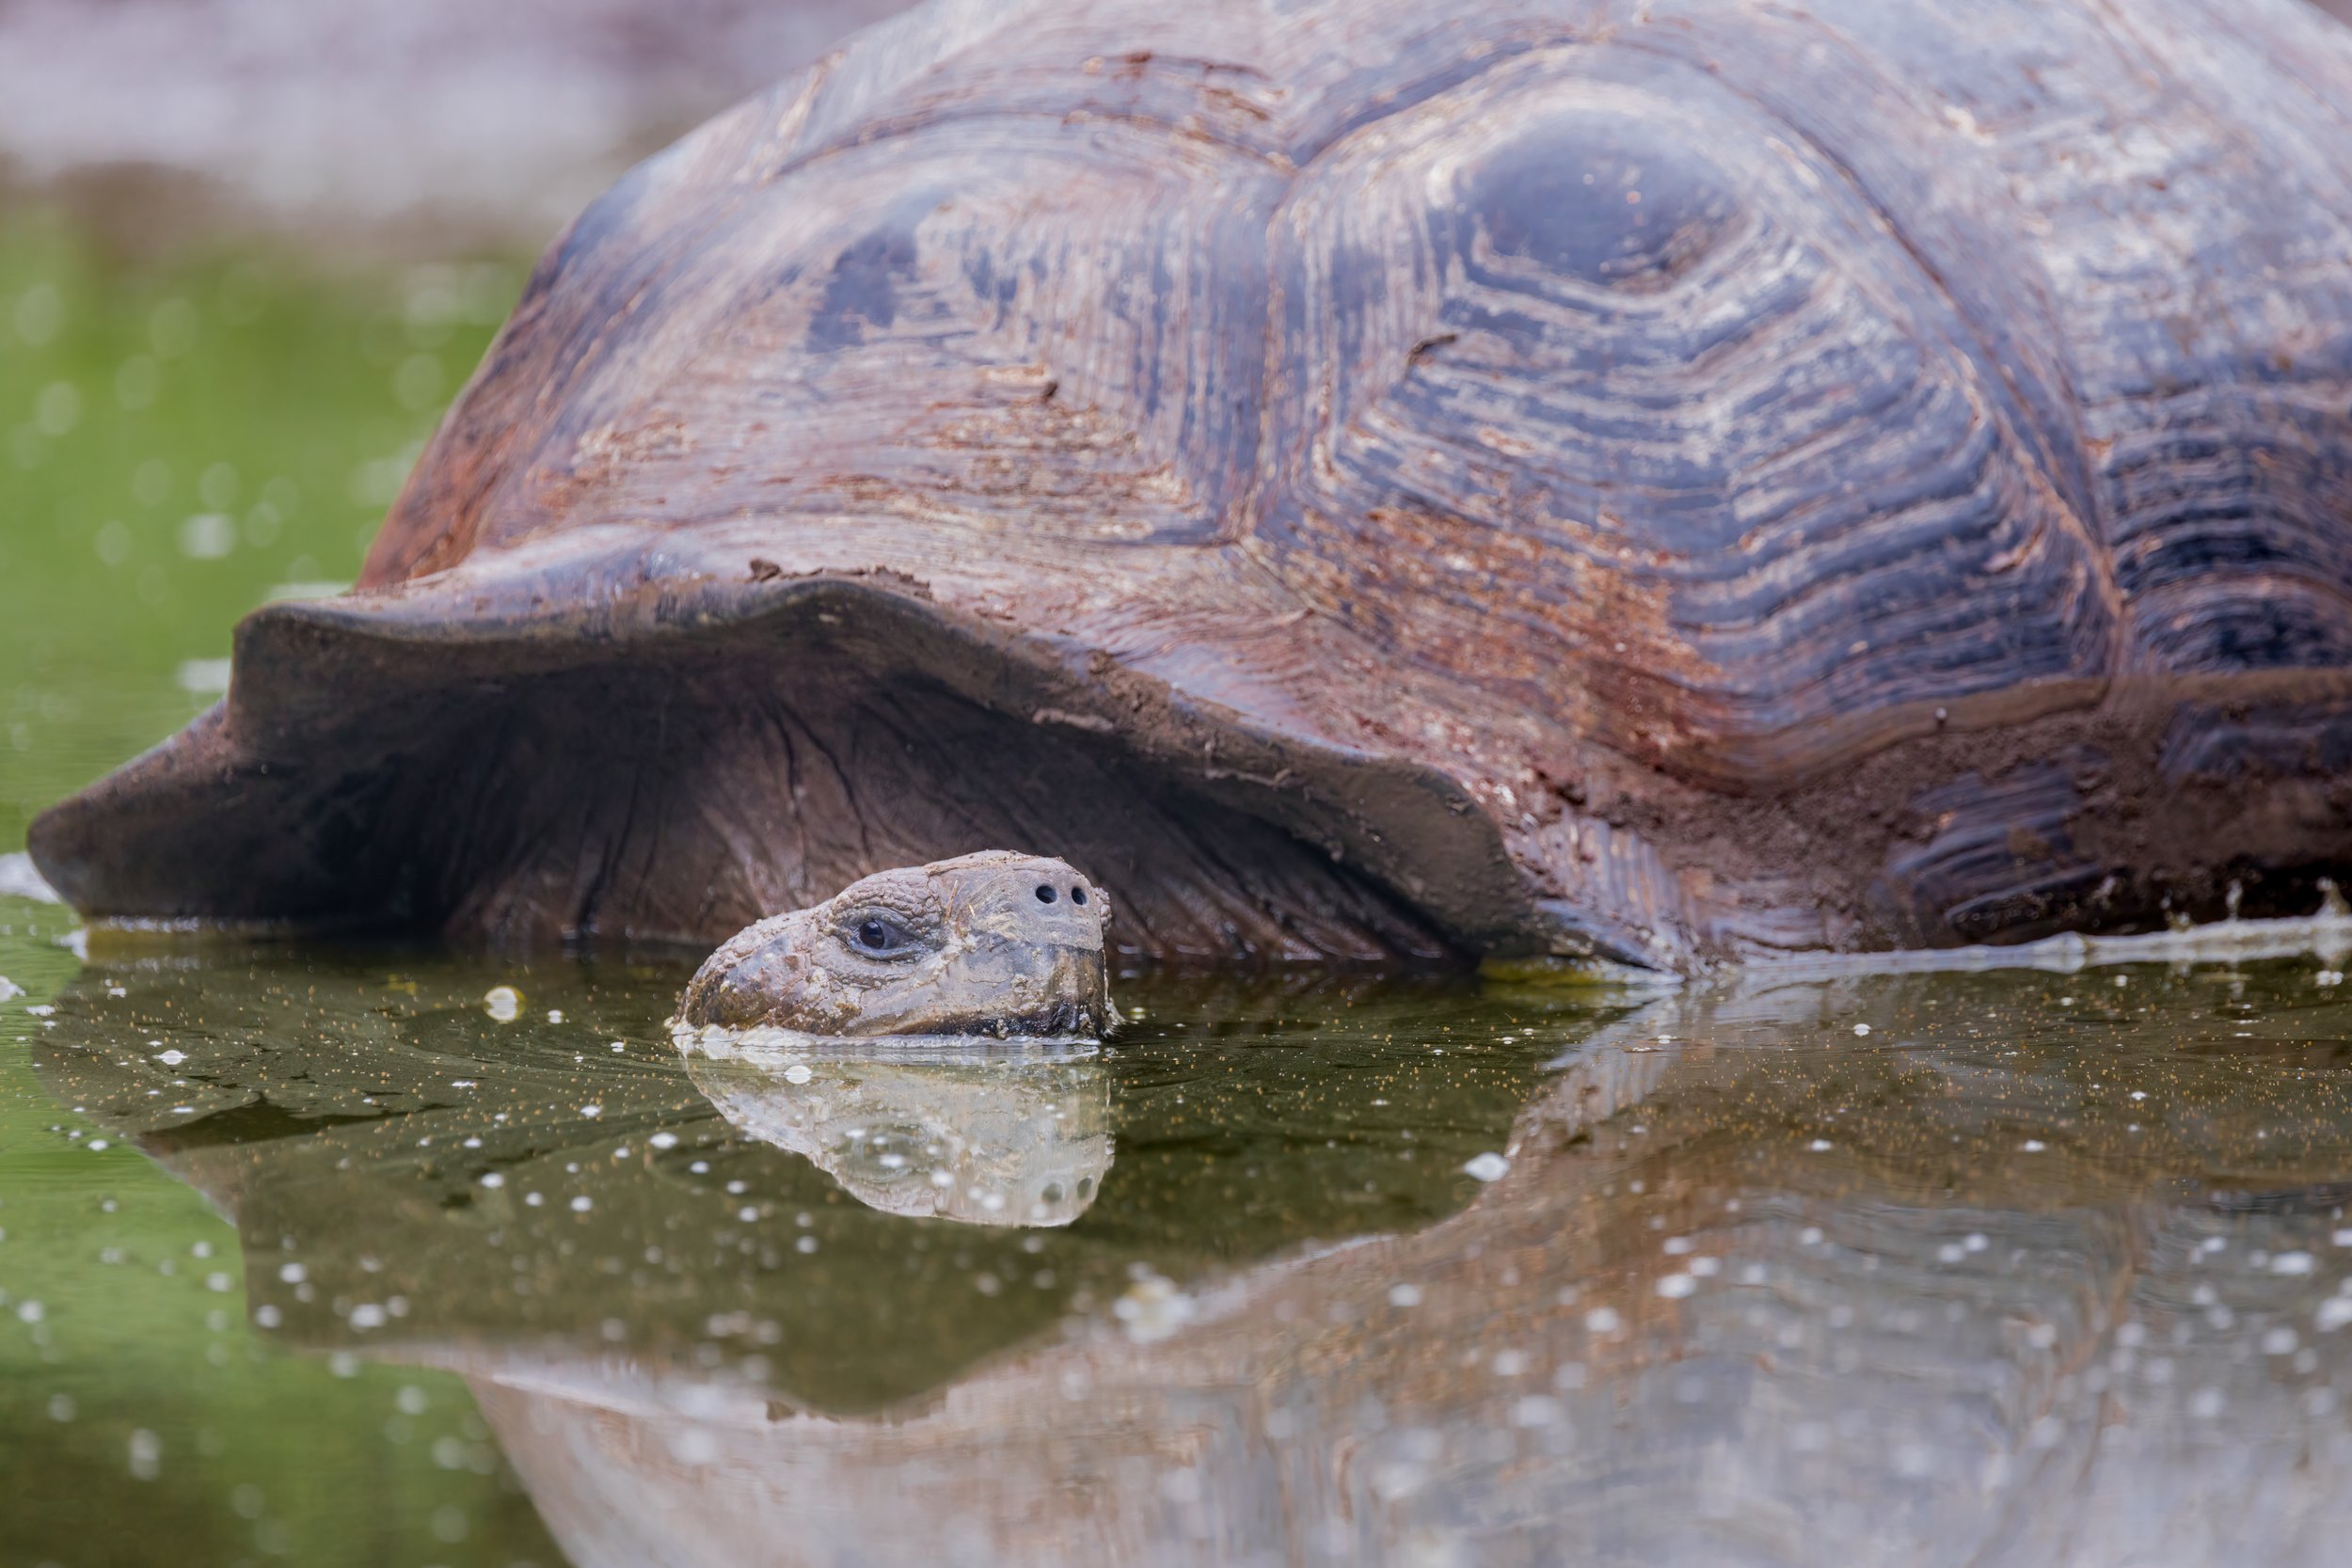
(61, 1408)
(204, 677)
(663, 1140)
(306, 588)
(505, 1003)
(40, 313)
(1676, 1286)
(217, 486)
(592, 1111)
(146, 1454)
(582, 1204)
(207, 535)
(1602, 1319)
(1861, 1028)
(797, 1073)
(367, 1315)
(416, 384)
(1152, 1309)
(377, 483)
(138, 381)
(58, 409)
(171, 330)
(693, 1446)
(1489, 1167)
(2292, 1263)
(30, 1311)
(2205, 1404)
(150, 482)
(2033, 1145)
(10, 988)
(112, 542)
(1404, 1295)
(1537, 1410)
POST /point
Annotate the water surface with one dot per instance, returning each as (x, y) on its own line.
(467, 1255)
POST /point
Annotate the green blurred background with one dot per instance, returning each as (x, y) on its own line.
(183, 439)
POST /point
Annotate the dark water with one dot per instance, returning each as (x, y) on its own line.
(2042, 1268)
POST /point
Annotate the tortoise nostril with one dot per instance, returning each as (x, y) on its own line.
(1078, 895)
(1045, 895)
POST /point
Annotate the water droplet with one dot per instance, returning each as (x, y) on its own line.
(1489, 1167)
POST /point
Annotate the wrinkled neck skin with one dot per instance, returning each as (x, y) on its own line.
(995, 945)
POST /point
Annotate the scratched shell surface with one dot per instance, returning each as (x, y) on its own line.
(1672, 480)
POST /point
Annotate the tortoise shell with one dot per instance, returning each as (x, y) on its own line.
(1662, 479)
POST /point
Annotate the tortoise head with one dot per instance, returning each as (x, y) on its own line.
(994, 943)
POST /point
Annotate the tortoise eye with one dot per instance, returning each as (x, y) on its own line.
(878, 936)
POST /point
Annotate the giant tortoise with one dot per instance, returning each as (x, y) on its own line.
(1668, 479)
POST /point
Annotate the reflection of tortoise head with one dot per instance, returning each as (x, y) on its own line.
(992, 943)
(1006, 1136)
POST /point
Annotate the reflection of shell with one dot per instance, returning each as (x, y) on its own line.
(974, 1131)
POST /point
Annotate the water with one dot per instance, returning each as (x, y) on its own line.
(368, 1256)
(2043, 1267)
